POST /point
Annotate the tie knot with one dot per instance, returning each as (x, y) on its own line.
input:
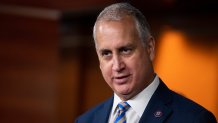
(123, 106)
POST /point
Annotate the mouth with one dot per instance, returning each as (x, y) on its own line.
(121, 79)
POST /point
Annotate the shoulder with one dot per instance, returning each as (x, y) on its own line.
(190, 110)
(185, 102)
(89, 116)
(175, 100)
(183, 110)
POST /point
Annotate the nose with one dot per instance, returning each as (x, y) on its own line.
(118, 64)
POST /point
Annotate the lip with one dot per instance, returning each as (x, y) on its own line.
(121, 79)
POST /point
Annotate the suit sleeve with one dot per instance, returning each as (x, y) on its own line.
(206, 117)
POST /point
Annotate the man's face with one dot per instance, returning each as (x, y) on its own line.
(124, 62)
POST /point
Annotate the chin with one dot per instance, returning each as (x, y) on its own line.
(125, 97)
(125, 92)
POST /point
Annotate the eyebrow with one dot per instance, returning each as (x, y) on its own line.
(121, 47)
(103, 50)
(126, 46)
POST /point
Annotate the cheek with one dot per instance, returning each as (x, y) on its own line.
(138, 65)
(135, 63)
(106, 71)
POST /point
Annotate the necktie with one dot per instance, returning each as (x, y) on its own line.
(122, 108)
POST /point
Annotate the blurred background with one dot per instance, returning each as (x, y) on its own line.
(49, 70)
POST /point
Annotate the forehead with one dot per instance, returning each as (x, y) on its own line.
(124, 22)
(116, 33)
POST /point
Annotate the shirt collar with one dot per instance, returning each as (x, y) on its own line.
(140, 101)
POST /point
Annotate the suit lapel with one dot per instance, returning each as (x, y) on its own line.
(157, 110)
(102, 115)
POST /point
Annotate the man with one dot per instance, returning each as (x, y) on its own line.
(125, 49)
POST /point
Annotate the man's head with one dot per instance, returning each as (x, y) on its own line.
(118, 11)
(125, 49)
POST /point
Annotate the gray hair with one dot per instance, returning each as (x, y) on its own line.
(118, 11)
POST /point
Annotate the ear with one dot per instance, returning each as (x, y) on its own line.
(151, 48)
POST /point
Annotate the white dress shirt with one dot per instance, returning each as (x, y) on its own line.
(137, 103)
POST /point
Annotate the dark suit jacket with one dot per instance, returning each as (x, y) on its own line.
(165, 106)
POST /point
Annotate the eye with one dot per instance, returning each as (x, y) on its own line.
(126, 50)
(106, 53)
